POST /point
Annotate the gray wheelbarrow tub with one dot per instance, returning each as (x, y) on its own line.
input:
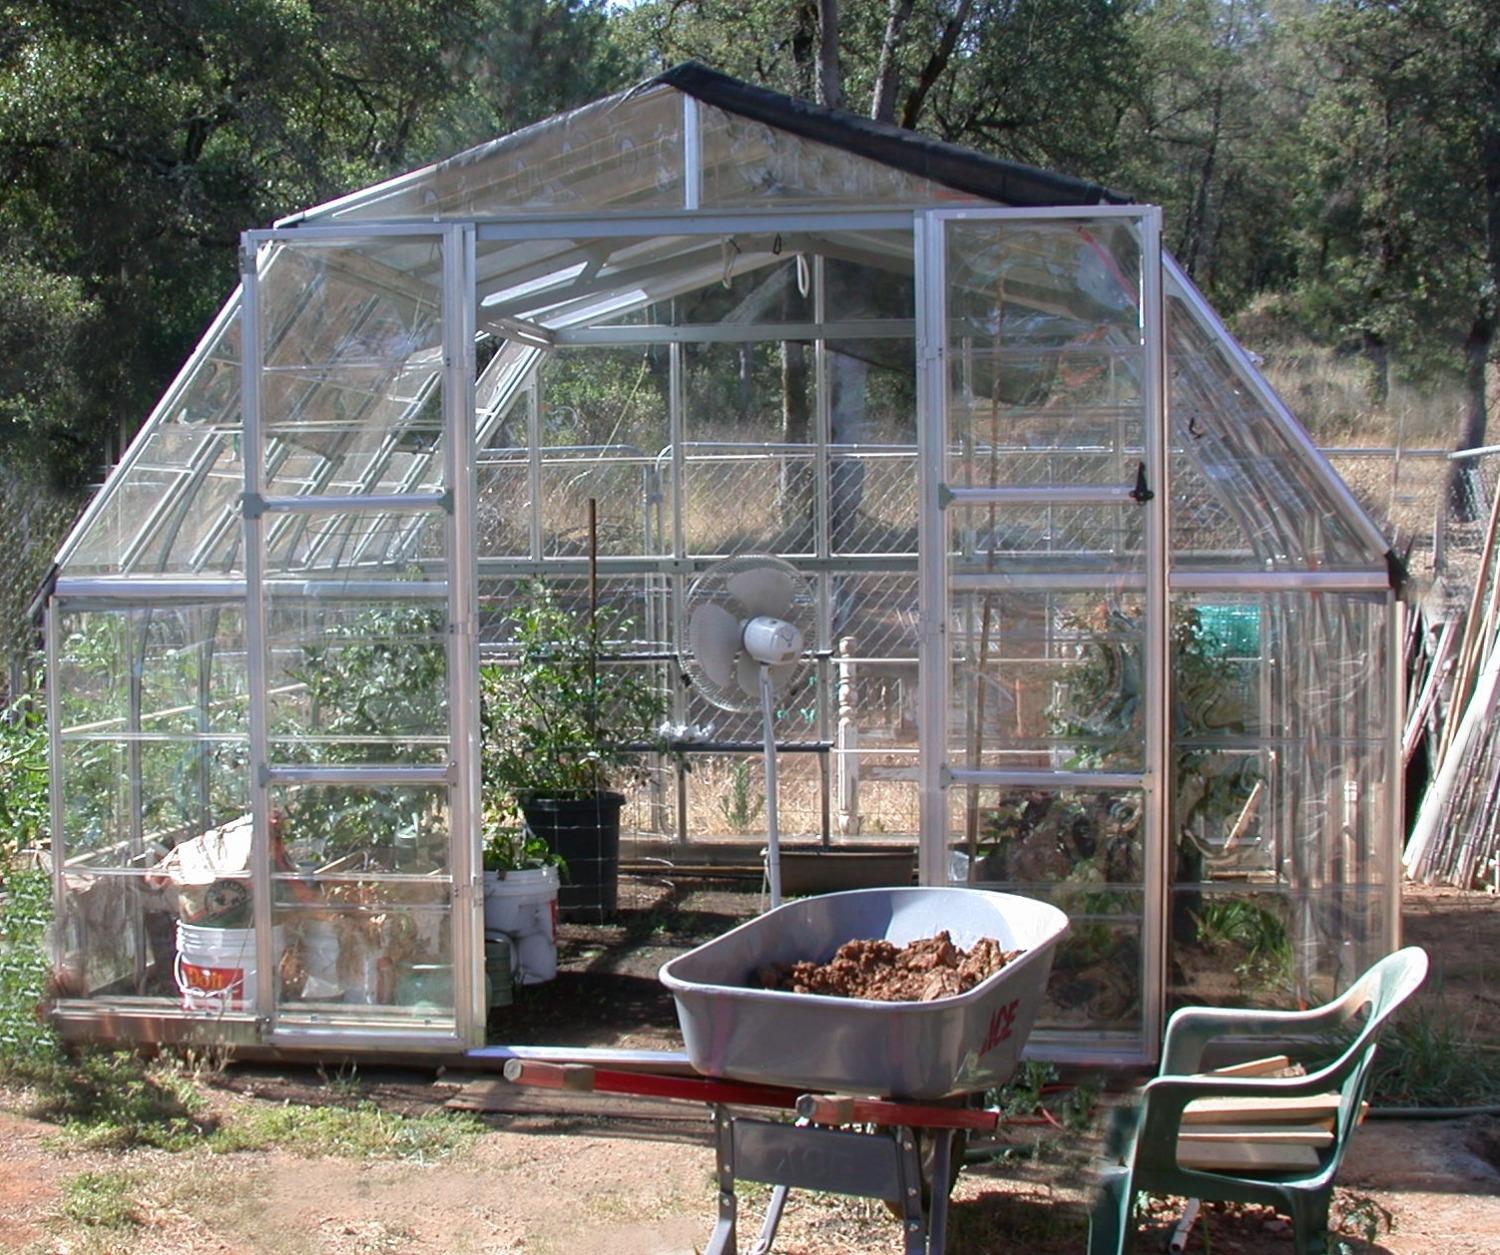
(913, 1050)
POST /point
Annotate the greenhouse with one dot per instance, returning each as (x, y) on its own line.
(1088, 617)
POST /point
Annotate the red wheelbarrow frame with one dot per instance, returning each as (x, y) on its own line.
(817, 1152)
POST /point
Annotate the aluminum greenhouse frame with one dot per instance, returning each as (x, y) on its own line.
(1145, 635)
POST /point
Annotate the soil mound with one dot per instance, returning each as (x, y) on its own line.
(921, 970)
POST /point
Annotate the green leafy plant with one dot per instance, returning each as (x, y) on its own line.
(509, 846)
(24, 818)
(25, 909)
(741, 805)
(363, 1130)
(371, 688)
(556, 723)
(1232, 923)
(102, 1200)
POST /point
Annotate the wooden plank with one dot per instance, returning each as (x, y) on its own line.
(1293, 1134)
(1314, 1108)
(1247, 1157)
(1255, 1067)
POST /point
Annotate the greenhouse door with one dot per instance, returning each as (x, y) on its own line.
(1043, 590)
(358, 379)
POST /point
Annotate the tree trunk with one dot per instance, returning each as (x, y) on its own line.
(883, 99)
(797, 505)
(1466, 493)
(830, 72)
(916, 99)
(1378, 367)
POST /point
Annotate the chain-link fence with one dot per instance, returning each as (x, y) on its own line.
(1433, 506)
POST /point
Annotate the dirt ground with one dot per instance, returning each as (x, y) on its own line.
(539, 1182)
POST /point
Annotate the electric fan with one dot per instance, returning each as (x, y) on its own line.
(747, 619)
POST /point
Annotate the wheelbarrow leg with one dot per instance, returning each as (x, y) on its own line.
(773, 1220)
(722, 1241)
(937, 1211)
(913, 1222)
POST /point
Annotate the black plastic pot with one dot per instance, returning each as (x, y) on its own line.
(585, 833)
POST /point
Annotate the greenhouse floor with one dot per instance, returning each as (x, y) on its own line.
(606, 993)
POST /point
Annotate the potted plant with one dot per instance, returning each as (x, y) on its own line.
(520, 900)
(560, 733)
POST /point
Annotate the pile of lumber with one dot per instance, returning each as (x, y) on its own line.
(1456, 837)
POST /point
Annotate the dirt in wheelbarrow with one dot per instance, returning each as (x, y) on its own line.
(877, 970)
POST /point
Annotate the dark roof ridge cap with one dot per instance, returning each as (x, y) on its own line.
(952, 165)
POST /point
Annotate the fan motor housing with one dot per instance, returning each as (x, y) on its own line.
(772, 641)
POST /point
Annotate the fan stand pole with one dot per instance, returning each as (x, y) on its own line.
(773, 831)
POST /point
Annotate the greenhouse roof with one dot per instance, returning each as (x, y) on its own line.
(596, 217)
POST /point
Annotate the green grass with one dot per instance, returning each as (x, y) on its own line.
(102, 1200)
(110, 1101)
(361, 1131)
(1428, 1057)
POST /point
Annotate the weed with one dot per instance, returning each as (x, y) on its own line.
(361, 1131)
(102, 1200)
(1363, 1216)
(1022, 1095)
(24, 911)
(111, 1101)
(741, 804)
(344, 1081)
(1428, 1058)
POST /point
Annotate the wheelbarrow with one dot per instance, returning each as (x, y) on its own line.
(880, 1088)
(925, 1063)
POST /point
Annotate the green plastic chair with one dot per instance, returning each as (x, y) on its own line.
(1142, 1151)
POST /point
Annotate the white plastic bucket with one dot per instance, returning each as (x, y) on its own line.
(215, 967)
(523, 906)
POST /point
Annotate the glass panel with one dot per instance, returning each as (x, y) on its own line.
(504, 510)
(1098, 976)
(1045, 367)
(1280, 805)
(872, 470)
(153, 742)
(355, 948)
(1059, 539)
(117, 938)
(622, 151)
(151, 514)
(1045, 353)
(351, 382)
(1049, 680)
(747, 163)
(1057, 843)
(1231, 948)
(405, 545)
(1256, 472)
(324, 829)
(356, 680)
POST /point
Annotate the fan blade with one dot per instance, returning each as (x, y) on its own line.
(747, 675)
(714, 638)
(763, 590)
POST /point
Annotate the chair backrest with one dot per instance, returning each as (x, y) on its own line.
(1382, 988)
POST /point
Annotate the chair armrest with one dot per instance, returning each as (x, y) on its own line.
(1191, 1029)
